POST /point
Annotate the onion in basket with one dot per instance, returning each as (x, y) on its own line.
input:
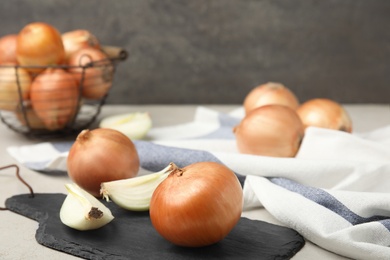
(96, 79)
(78, 39)
(10, 94)
(54, 97)
(8, 48)
(33, 121)
(39, 44)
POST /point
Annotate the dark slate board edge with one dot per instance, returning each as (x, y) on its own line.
(93, 253)
(51, 242)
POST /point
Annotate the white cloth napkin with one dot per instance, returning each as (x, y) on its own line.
(335, 192)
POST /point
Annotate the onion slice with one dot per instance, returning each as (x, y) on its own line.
(134, 193)
(82, 211)
(133, 125)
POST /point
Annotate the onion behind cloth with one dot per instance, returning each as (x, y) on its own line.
(271, 130)
(325, 113)
(271, 93)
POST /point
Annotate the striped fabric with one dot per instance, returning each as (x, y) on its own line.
(335, 192)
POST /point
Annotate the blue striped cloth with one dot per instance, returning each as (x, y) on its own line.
(335, 192)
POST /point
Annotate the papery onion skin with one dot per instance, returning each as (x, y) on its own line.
(8, 48)
(97, 80)
(271, 130)
(78, 39)
(54, 97)
(11, 78)
(39, 44)
(101, 155)
(270, 93)
(325, 113)
(197, 205)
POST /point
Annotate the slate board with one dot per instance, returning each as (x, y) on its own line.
(131, 235)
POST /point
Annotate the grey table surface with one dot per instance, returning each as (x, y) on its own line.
(17, 239)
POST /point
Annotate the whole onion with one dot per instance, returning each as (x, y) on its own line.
(8, 49)
(271, 130)
(54, 97)
(97, 79)
(101, 155)
(14, 86)
(271, 93)
(325, 113)
(197, 205)
(78, 39)
(39, 44)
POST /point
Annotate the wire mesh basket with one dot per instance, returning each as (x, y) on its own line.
(72, 105)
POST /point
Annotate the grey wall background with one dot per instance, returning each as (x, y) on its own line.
(215, 51)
